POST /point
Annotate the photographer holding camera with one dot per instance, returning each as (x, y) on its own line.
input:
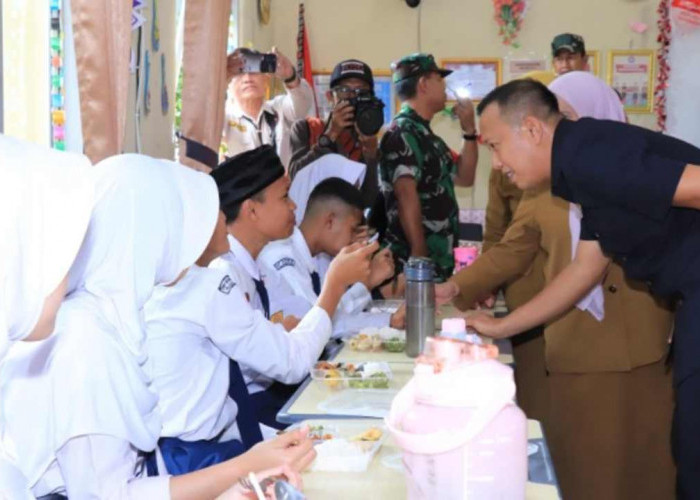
(252, 121)
(350, 130)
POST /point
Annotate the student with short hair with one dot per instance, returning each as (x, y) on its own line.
(333, 214)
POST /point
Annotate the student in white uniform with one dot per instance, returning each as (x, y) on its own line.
(197, 327)
(333, 215)
(80, 407)
(254, 196)
(46, 199)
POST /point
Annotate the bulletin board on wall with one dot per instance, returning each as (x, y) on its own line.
(472, 78)
(383, 89)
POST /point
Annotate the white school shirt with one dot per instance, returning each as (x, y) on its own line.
(283, 357)
(243, 132)
(292, 261)
(195, 326)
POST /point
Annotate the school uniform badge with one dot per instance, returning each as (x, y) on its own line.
(226, 285)
(284, 262)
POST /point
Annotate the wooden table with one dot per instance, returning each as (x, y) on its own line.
(385, 480)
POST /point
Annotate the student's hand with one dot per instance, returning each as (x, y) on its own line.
(290, 322)
(234, 65)
(266, 479)
(342, 117)
(486, 325)
(352, 264)
(464, 110)
(285, 68)
(445, 292)
(361, 234)
(398, 319)
(382, 269)
(293, 449)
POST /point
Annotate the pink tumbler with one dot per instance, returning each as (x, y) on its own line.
(465, 256)
(461, 434)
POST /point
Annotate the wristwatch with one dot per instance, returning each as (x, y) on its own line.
(326, 142)
(470, 137)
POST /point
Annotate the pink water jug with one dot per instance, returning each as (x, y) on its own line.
(461, 434)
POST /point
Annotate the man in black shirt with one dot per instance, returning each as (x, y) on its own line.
(640, 196)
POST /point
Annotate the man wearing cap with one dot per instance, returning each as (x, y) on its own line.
(251, 120)
(568, 53)
(418, 171)
(313, 137)
(253, 190)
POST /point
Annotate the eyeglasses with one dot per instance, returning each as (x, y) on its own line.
(344, 92)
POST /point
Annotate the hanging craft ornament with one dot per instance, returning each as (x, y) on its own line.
(664, 39)
(164, 104)
(147, 83)
(686, 15)
(509, 17)
(58, 116)
(155, 31)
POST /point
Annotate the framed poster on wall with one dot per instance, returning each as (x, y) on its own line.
(593, 62)
(472, 77)
(383, 89)
(631, 74)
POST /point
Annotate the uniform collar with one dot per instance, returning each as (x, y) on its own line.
(563, 157)
(302, 248)
(238, 113)
(243, 257)
(410, 113)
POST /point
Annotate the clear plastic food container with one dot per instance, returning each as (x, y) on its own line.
(366, 375)
(379, 339)
(345, 446)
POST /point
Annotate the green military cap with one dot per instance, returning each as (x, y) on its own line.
(416, 65)
(568, 41)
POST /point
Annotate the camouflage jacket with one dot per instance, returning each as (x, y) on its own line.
(410, 148)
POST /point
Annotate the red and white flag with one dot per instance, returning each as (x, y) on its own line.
(304, 55)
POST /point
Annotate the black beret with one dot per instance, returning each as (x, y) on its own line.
(246, 174)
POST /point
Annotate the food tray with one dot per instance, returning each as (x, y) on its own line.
(378, 339)
(366, 375)
(346, 446)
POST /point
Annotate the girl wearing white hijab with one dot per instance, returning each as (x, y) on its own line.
(81, 406)
(45, 202)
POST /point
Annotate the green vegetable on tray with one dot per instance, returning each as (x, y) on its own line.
(394, 345)
(375, 381)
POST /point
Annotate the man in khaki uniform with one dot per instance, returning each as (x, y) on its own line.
(528, 347)
(610, 392)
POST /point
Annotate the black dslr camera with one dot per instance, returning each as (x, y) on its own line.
(369, 112)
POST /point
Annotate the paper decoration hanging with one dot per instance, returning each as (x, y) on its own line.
(686, 14)
(664, 68)
(137, 16)
(509, 15)
(164, 104)
(155, 31)
(57, 93)
(147, 83)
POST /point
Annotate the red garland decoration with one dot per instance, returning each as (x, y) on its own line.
(664, 39)
(509, 17)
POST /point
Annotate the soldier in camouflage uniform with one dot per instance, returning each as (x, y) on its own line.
(418, 170)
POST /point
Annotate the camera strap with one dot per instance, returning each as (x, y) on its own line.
(271, 119)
